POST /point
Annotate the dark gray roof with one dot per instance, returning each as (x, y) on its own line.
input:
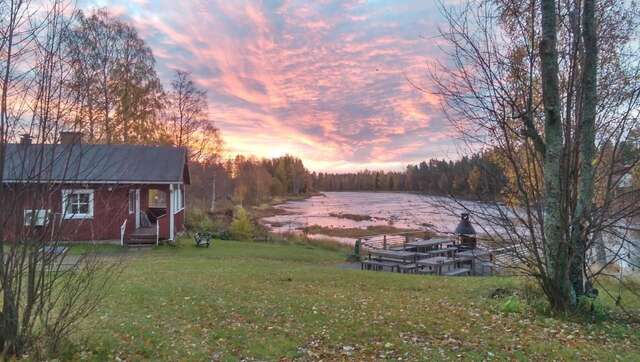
(95, 163)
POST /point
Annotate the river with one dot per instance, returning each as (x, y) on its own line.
(401, 210)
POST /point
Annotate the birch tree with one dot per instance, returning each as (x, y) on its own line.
(187, 119)
(552, 87)
(114, 68)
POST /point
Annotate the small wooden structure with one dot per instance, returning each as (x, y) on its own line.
(446, 260)
(446, 256)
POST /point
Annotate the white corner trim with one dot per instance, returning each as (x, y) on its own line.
(171, 212)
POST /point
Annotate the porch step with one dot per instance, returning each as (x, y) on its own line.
(142, 236)
(131, 242)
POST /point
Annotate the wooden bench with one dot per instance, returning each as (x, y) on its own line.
(396, 248)
(488, 267)
(456, 272)
(379, 265)
(423, 271)
(407, 268)
(365, 264)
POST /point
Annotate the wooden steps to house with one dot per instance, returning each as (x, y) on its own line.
(142, 237)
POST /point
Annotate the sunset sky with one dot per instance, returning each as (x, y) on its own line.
(323, 80)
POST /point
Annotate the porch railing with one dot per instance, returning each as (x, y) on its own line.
(123, 229)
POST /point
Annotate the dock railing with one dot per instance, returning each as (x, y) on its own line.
(390, 241)
(499, 259)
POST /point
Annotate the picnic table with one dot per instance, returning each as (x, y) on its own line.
(443, 252)
(400, 260)
(475, 253)
(436, 263)
(403, 256)
(423, 245)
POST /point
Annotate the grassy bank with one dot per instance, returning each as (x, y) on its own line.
(266, 301)
(263, 301)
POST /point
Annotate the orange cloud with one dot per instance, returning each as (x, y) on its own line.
(322, 80)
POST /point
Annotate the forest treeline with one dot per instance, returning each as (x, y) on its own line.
(253, 181)
(476, 177)
(247, 181)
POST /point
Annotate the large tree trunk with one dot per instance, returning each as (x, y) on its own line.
(587, 146)
(557, 285)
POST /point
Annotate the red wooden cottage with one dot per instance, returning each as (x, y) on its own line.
(129, 194)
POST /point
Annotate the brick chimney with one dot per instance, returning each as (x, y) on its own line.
(25, 139)
(70, 138)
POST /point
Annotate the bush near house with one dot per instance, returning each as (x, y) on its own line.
(242, 227)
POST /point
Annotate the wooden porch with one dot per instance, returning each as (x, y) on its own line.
(143, 236)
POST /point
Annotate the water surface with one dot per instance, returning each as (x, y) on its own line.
(401, 210)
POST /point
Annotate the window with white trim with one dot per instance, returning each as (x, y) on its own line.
(157, 199)
(132, 201)
(178, 200)
(37, 217)
(77, 204)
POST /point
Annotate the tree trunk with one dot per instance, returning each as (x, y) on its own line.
(587, 146)
(557, 252)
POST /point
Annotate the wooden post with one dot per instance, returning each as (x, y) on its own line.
(384, 242)
(213, 193)
(171, 208)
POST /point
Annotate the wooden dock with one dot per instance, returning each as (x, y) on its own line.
(438, 256)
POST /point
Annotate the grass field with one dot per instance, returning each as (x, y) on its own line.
(258, 301)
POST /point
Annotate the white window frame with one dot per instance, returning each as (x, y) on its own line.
(132, 205)
(42, 217)
(152, 203)
(67, 215)
(178, 200)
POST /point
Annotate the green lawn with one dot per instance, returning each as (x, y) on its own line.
(260, 301)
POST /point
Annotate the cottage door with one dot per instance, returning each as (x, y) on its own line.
(137, 208)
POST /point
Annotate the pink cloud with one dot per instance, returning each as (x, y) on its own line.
(326, 82)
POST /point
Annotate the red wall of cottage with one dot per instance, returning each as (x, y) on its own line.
(179, 221)
(110, 209)
(163, 226)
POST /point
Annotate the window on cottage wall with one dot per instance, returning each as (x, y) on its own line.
(178, 199)
(38, 217)
(157, 199)
(77, 204)
(132, 201)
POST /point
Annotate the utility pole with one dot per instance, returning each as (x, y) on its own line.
(213, 193)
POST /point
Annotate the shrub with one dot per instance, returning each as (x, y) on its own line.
(194, 217)
(592, 307)
(241, 227)
(535, 297)
(511, 305)
(199, 220)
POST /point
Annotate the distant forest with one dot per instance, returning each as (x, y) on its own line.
(475, 177)
(253, 181)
